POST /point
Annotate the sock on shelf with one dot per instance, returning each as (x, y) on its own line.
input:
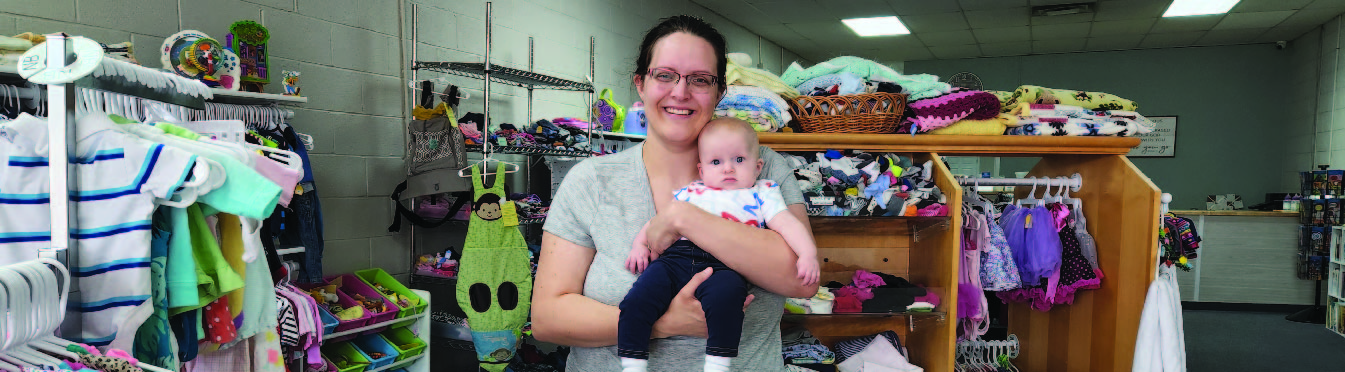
(634, 365)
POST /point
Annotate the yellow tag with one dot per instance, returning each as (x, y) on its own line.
(852, 191)
(298, 190)
(509, 213)
(1027, 222)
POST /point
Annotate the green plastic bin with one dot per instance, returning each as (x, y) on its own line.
(378, 276)
(405, 341)
(338, 351)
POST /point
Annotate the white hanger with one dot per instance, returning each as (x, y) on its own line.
(18, 329)
(41, 289)
(1031, 198)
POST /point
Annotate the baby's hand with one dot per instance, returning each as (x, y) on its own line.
(808, 270)
(639, 259)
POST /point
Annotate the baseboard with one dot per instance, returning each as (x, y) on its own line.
(1233, 306)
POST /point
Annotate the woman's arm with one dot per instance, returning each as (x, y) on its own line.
(760, 255)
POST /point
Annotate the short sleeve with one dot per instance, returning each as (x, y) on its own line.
(164, 168)
(574, 205)
(772, 202)
(777, 169)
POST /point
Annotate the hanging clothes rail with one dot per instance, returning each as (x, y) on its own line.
(1074, 181)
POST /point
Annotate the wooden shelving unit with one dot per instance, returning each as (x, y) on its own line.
(1096, 333)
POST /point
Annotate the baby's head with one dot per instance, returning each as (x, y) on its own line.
(729, 154)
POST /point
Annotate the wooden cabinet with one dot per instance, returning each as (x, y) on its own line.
(1096, 333)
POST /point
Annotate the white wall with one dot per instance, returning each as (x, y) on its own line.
(355, 73)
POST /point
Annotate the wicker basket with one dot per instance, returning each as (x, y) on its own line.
(855, 113)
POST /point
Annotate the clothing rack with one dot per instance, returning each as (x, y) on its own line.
(1074, 181)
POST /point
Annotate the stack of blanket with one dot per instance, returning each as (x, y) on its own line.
(850, 75)
(941, 111)
(1063, 120)
(762, 108)
(1051, 96)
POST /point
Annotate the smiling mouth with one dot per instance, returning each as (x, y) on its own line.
(676, 111)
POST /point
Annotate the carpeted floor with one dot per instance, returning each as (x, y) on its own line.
(1222, 341)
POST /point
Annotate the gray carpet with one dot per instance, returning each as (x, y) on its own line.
(1222, 341)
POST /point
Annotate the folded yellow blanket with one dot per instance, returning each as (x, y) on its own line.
(1088, 100)
(988, 127)
(738, 74)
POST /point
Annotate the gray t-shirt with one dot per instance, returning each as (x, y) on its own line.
(602, 203)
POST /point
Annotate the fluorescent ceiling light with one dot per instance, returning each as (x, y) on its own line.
(1182, 8)
(876, 26)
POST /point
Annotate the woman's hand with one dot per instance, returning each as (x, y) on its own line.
(685, 317)
(663, 230)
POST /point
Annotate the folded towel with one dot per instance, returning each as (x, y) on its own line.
(989, 127)
(1088, 100)
(917, 86)
(938, 112)
(755, 99)
(1132, 122)
(738, 74)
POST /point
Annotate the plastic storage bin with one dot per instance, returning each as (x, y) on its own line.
(345, 301)
(329, 367)
(344, 351)
(378, 276)
(352, 285)
(405, 341)
(329, 321)
(370, 344)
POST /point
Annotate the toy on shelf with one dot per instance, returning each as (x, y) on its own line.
(401, 301)
(248, 39)
(291, 82)
(438, 264)
(193, 54)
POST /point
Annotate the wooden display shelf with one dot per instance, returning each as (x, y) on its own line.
(914, 226)
(950, 145)
(832, 328)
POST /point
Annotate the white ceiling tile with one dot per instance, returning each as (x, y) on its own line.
(998, 18)
(1052, 2)
(1283, 33)
(1234, 36)
(1189, 23)
(1127, 27)
(1119, 10)
(943, 38)
(1312, 17)
(1003, 35)
(1251, 6)
(1326, 4)
(1007, 49)
(1253, 20)
(1058, 45)
(916, 7)
(935, 22)
(905, 54)
(1175, 39)
(1055, 20)
(955, 51)
(1118, 42)
(858, 8)
(1063, 31)
(792, 12)
(991, 4)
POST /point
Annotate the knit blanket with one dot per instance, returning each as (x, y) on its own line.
(989, 127)
(938, 112)
(1088, 100)
(916, 86)
(761, 121)
(1062, 120)
(755, 100)
(848, 83)
(737, 74)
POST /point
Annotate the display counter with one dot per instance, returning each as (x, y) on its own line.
(1245, 257)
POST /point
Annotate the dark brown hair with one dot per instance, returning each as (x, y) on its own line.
(691, 25)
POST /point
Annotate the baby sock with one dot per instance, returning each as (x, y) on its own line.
(634, 365)
(717, 363)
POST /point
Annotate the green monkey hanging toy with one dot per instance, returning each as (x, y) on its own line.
(495, 276)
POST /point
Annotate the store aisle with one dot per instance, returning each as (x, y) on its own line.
(1255, 341)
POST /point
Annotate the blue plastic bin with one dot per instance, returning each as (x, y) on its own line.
(374, 343)
(329, 321)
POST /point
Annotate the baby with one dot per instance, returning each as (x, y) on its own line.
(729, 167)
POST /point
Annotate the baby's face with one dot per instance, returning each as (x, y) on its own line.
(727, 162)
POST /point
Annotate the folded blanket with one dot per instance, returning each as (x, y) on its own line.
(1069, 127)
(848, 82)
(917, 86)
(938, 112)
(1136, 123)
(755, 99)
(15, 44)
(989, 127)
(1002, 95)
(761, 121)
(737, 74)
(1088, 100)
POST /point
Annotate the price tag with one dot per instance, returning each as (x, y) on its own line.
(509, 213)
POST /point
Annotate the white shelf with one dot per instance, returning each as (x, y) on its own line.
(402, 363)
(598, 133)
(372, 326)
(241, 97)
(289, 251)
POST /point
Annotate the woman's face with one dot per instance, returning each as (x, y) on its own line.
(677, 112)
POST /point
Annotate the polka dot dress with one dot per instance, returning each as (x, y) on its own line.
(219, 323)
(1075, 272)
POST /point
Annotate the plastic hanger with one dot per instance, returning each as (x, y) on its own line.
(1031, 195)
(18, 330)
(41, 289)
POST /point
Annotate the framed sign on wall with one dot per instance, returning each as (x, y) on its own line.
(1161, 143)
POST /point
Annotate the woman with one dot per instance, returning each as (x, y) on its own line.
(603, 203)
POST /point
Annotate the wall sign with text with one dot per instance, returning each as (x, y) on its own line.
(1162, 142)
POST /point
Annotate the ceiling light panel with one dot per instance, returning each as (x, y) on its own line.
(876, 26)
(1182, 8)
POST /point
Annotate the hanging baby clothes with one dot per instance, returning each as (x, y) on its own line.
(972, 306)
(1034, 238)
(494, 279)
(998, 270)
(1075, 272)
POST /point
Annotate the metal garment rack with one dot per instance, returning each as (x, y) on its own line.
(489, 73)
(1074, 182)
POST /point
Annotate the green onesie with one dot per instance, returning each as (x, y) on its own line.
(495, 275)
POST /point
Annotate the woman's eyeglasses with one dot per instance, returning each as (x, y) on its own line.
(698, 83)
